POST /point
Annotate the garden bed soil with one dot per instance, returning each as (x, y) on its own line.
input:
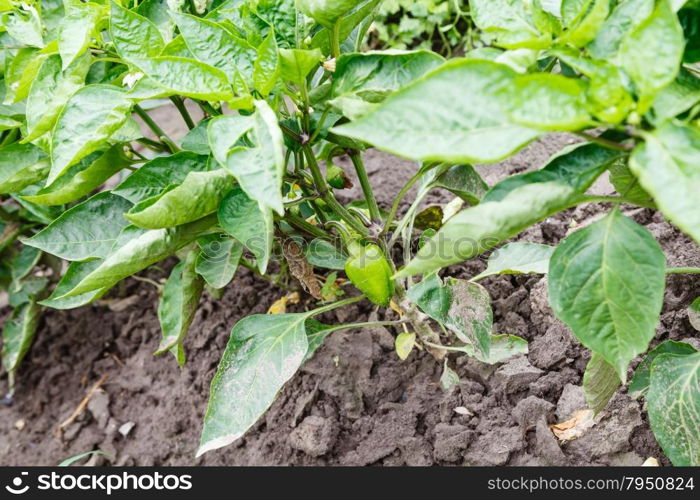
(354, 402)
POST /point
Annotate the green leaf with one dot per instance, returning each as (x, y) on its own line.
(187, 77)
(586, 23)
(694, 314)
(600, 382)
(178, 305)
(354, 24)
(197, 139)
(88, 119)
(606, 282)
(24, 26)
(547, 102)
(74, 274)
(660, 33)
(266, 69)
(76, 30)
(250, 223)
(677, 98)
(449, 377)
(134, 36)
(518, 258)
(463, 181)
(625, 18)
(23, 262)
(50, 91)
(642, 374)
(70, 461)
(26, 290)
(434, 119)
(372, 76)
(20, 72)
(18, 333)
(625, 183)
(156, 175)
(137, 250)
(404, 344)
(480, 228)
(259, 169)
(502, 348)
(82, 178)
(20, 166)
(510, 21)
(86, 231)
(263, 353)
(674, 405)
(199, 195)
(218, 260)
(461, 306)
(577, 166)
(667, 166)
(214, 45)
(322, 253)
(327, 12)
(225, 132)
(296, 64)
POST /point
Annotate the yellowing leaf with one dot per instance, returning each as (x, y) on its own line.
(404, 344)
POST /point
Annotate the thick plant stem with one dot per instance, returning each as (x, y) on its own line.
(366, 186)
(182, 109)
(683, 270)
(328, 197)
(306, 226)
(335, 40)
(162, 136)
(604, 142)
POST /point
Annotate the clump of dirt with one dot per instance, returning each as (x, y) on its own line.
(354, 402)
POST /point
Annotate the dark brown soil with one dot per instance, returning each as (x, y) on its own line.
(355, 402)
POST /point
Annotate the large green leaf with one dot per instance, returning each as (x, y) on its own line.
(137, 250)
(462, 306)
(626, 17)
(577, 166)
(510, 21)
(606, 282)
(436, 119)
(18, 333)
(667, 165)
(199, 195)
(642, 374)
(178, 305)
(218, 259)
(362, 79)
(74, 274)
(20, 72)
(547, 102)
(674, 405)
(87, 120)
(518, 258)
(351, 28)
(480, 228)
(225, 132)
(266, 68)
(464, 181)
(583, 19)
(677, 98)
(250, 223)
(263, 353)
(24, 26)
(187, 77)
(652, 53)
(76, 29)
(82, 178)
(50, 91)
(214, 45)
(20, 166)
(296, 64)
(260, 168)
(134, 36)
(86, 231)
(600, 382)
(156, 175)
(327, 12)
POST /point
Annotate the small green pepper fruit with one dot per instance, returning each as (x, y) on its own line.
(370, 272)
(335, 176)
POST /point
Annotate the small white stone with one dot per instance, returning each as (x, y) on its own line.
(125, 429)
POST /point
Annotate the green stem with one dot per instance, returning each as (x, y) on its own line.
(337, 305)
(328, 197)
(604, 142)
(335, 40)
(366, 186)
(156, 146)
(162, 136)
(306, 226)
(180, 105)
(683, 270)
(362, 325)
(397, 201)
(208, 108)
